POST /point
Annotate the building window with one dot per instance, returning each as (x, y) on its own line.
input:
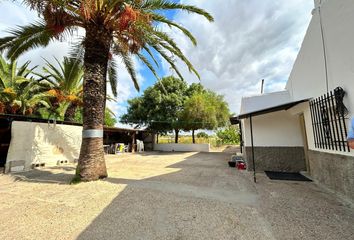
(329, 116)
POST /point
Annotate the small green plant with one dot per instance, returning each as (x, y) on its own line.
(77, 178)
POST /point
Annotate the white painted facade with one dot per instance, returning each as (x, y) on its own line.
(308, 79)
(277, 129)
(36, 143)
(174, 147)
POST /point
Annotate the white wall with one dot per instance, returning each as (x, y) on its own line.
(43, 143)
(264, 101)
(307, 78)
(278, 129)
(172, 147)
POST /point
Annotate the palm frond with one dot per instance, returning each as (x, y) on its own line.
(113, 76)
(148, 64)
(151, 55)
(152, 5)
(182, 57)
(129, 65)
(25, 38)
(168, 59)
(160, 18)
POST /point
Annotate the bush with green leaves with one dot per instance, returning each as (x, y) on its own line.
(202, 135)
(229, 135)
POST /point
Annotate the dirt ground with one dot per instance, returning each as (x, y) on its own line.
(168, 196)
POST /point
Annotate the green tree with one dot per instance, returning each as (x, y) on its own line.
(160, 106)
(20, 93)
(229, 135)
(124, 28)
(109, 117)
(198, 113)
(204, 110)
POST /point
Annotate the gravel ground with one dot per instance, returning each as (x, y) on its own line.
(168, 196)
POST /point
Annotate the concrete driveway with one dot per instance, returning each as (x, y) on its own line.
(168, 196)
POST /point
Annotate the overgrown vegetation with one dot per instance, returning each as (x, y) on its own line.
(229, 135)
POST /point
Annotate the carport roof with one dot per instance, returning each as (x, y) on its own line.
(276, 108)
(12, 117)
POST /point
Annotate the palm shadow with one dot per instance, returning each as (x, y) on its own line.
(159, 207)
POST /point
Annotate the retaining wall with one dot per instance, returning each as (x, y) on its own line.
(38, 143)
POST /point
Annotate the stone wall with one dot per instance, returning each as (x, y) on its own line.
(284, 159)
(334, 171)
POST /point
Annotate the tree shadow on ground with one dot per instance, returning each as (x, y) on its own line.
(191, 201)
(56, 175)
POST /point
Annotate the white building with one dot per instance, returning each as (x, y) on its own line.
(303, 128)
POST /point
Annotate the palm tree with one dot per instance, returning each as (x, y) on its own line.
(125, 28)
(19, 93)
(66, 86)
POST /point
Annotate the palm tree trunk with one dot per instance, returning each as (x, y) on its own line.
(92, 164)
(70, 113)
(193, 136)
(176, 135)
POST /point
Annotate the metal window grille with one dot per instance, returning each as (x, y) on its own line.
(329, 116)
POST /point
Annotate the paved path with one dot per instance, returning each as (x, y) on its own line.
(168, 196)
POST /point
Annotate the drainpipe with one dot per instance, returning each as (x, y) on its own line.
(323, 45)
(253, 161)
(241, 137)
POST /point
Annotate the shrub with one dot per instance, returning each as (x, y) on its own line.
(202, 135)
(228, 135)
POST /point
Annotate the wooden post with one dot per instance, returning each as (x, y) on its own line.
(133, 142)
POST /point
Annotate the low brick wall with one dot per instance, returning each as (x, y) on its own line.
(173, 147)
(334, 171)
(284, 159)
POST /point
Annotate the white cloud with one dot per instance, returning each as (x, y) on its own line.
(249, 41)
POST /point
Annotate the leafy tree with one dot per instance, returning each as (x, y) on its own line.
(198, 113)
(160, 106)
(204, 110)
(229, 135)
(125, 28)
(20, 93)
(109, 117)
(195, 88)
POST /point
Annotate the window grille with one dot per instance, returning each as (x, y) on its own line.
(329, 116)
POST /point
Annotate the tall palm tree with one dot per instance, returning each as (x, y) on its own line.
(20, 93)
(66, 86)
(125, 28)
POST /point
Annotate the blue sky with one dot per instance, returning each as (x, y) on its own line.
(249, 41)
